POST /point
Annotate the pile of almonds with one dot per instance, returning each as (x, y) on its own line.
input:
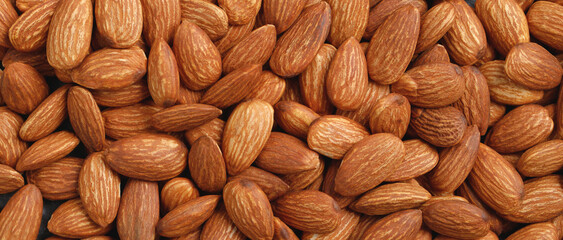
(304, 119)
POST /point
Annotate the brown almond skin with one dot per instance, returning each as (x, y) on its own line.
(294, 209)
(161, 18)
(21, 216)
(503, 194)
(292, 92)
(249, 209)
(538, 230)
(322, 138)
(282, 13)
(183, 117)
(199, 61)
(310, 29)
(391, 198)
(364, 223)
(391, 114)
(533, 66)
(187, 217)
(9, 16)
(86, 118)
(37, 59)
(29, 32)
(207, 166)
(312, 81)
(380, 12)
(11, 146)
(544, 20)
(58, 180)
(520, 129)
(398, 35)
(455, 163)
(420, 158)
(285, 154)
(282, 231)
(262, 42)
(401, 225)
(505, 91)
(213, 129)
(233, 87)
(559, 114)
(72, 23)
(176, 192)
(505, 23)
(47, 117)
(10, 179)
(234, 35)
(220, 226)
(349, 19)
(425, 85)
(123, 97)
(435, 54)
(186, 96)
(119, 23)
(23, 88)
(163, 77)
(111, 69)
(475, 101)
(456, 219)
(137, 217)
(272, 185)
(270, 88)
(347, 76)
(47, 150)
(441, 127)
(129, 121)
(294, 118)
(304, 180)
(70, 220)
(368, 163)
(542, 159)
(348, 221)
(240, 12)
(209, 17)
(374, 92)
(434, 24)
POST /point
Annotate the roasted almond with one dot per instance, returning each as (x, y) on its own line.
(294, 209)
(209, 17)
(29, 32)
(434, 24)
(456, 219)
(374, 92)
(11, 180)
(400, 225)
(187, 217)
(441, 127)
(312, 81)
(206, 164)
(475, 101)
(21, 216)
(542, 159)
(161, 18)
(9, 16)
(183, 117)
(233, 87)
(23, 88)
(294, 118)
(262, 42)
(71, 220)
(86, 118)
(240, 12)
(129, 121)
(58, 180)
(390, 198)
(282, 13)
(163, 77)
(138, 216)
(348, 221)
(435, 54)
(391, 114)
(270, 184)
(11, 146)
(503, 90)
(47, 150)
(122, 97)
(348, 19)
(322, 138)
(270, 88)
(284, 154)
(213, 129)
(176, 192)
(420, 158)
(544, 20)
(538, 230)
(531, 65)
(120, 24)
(220, 226)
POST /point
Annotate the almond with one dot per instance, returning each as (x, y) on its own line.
(349, 19)
(11, 180)
(496, 112)
(312, 81)
(379, 13)
(401, 225)
(11, 146)
(58, 180)
(505, 23)
(37, 60)
(435, 54)
(9, 16)
(539, 231)
(544, 20)
(70, 32)
(24, 5)
(71, 220)
(21, 216)
(282, 231)
(304, 179)
(262, 42)
(207, 166)
(520, 129)
(183, 117)
(321, 136)
(441, 127)
(329, 182)
(199, 61)
(294, 209)
(310, 29)
(285, 154)
(391, 114)
(99, 189)
(503, 90)
(294, 118)
(270, 88)
(348, 221)
(424, 86)
(249, 209)
(176, 192)
(187, 217)
(364, 223)
(361, 115)
(29, 32)
(271, 184)
(456, 219)
(234, 35)
(163, 77)
(123, 97)
(475, 101)
(282, 13)
(233, 87)
(531, 65)
(246, 133)
(213, 129)
(347, 77)
(542, 159)
(396, 37)
(150, 157)
(138, 212)
(209, 17)
(363, 167)
(23, 88)
(128, 121)
(47, 150)
(186, 96)
(86, 118)
(391, 198)
(420, 158)
(220, 226)
(161, 18)
(292, 92)
(119, 23)
(240, 12)
(434, 24)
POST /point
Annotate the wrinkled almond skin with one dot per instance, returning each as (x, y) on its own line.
(220, 226)
(475, 101)
(161, 18)
(434, 24)
(435, 54)
(23, 88)
(209, 17)
(303, 180)
(213, 129)
(70, 32)
(21, 216)
(58, 180)
(390, 198)
(420, 158)
(294, 210)
(542, 159)
(187, 217)
(176, 192)
(441, 127)
(71, 220)
(544, 20)
(503, 90)
(294, 118)
(392, 46)
(11, 146)
(47, 117)
(374, 92)
(368, 163)
(347, 76)
(37, 59)
(207, 166)
(29, 32)
(282, 231)
(520, 129)
(233, 87)
(312, 81)
(271, 184)
(183, 117)
(379, 13)
(137, 217)
(424, 86)
(99, 189)
(129, 121)
(123, 97)
(282, 13)
(538, 230)
(349, 19)
(199, 61)
(249, 209)
(456, 219)
(334, 135)
(310, 29)
(348, 221)
(86, 118)
(285, 154)
(234, 35)
(163, 77)
(119, 23)
(531, 65)
(391, 114)
(262, 42)
(10, 179)
(270, 88)
(47, 150)
(240, 11)
(401, 225)
(9, 16)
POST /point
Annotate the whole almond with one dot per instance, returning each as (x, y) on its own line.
(304, 180)
(322, 135)
(396, 37)
(9, 16)
(312, 81)
(294, 209)
(270, 88)
(379, 13)
(391, 114)
(542, 159)
(24, 5)
(240, 12)
(207, 166)
(234, 35)
(347, 77)
(233, 87)
(294, 118)
(262, 42)
(310, 29)
(503, 90)
(11, 180)
(58, 180)
(163, 77)
(364, 223)
(270, 184)
(544, 20)
(220, 226)
(456, 219)
(86, 118)
(282, 231)
(37, 59)
(99, 189)
(538, 230)
(122, 97)
(520, 129)
(71, 220)
(23, 88)
(150, 157)
(47, 150)
(420, 158)
(161, 18)
(199, 61)
(209, 17)
(284, 154)
(349, 19)
(129, 121)
(475, 101)
(348, 221)
(282, 13)
(11, 146)
(246, 133)
(21, 216)
(434, 24)
(119, 23)
(70, 32)
(249, 209)
(435, 54)
(29, 32)
(441, 127)
(213, 129)
(176, 192)
(187, 217)
(391, 198)
(533, 66)
(137, 216)
(183, 117)
(363, 167)
(374, 92)
(401, 225)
